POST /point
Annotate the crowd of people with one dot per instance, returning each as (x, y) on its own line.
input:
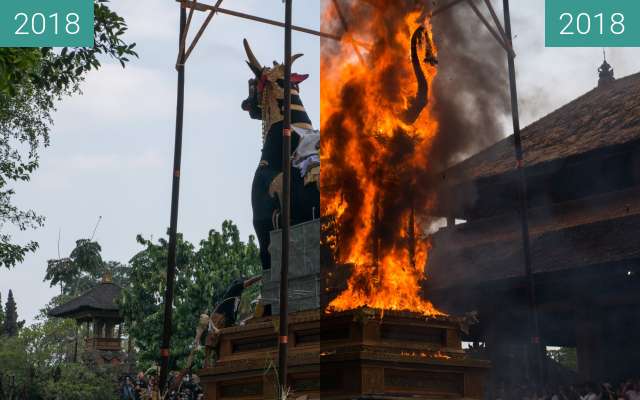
(145, 387)
(138, 388)
(629, 390)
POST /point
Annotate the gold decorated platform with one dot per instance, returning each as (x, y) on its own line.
(357, 354)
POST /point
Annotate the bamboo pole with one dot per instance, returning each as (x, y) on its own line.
(286, 205)
(173, 223)
(184, 33)
(535, 360)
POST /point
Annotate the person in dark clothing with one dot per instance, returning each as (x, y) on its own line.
(127, 392)
(140, 384)
(227, 309)
(225, 314)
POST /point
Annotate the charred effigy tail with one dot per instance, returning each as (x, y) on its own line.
(421, 100)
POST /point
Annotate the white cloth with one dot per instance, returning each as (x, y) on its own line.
(306, 164)
(307, 154)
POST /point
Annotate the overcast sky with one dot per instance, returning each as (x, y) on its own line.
(111, 148)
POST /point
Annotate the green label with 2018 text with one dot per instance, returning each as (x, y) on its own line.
(46, 23)
(592, 23)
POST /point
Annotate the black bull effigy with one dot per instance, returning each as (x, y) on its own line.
(266, 103)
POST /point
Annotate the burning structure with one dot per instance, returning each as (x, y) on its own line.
(389, 125)
(377, 132)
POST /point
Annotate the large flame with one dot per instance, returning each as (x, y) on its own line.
(372, 162)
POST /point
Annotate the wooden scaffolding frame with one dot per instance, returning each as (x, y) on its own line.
(501, 34)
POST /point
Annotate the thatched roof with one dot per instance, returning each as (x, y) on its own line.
(101, 298)
(605, 116)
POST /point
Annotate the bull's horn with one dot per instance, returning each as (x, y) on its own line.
(253, 62)
(295, 57)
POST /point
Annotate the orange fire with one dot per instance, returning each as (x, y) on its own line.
(372, 161)
(438, 354)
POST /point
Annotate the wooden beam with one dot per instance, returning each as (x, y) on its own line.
(505, 44)
(212, 9)
(183, 38)
(204, 26)
(206, 7)
(496, 21)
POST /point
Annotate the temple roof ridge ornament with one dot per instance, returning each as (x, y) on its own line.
(605, 71)
(107, 277)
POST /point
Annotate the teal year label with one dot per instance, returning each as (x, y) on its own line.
(592, 23)
(46, 23)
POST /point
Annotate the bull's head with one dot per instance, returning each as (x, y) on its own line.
(252, 103)
(265, 77)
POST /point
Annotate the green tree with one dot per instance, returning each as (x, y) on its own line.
(202, 276)
(83, 269)
(39, 359)
(77, 272)
(55, 338)
(11, 325)
(1, 314)
(565, 356)
(31, 82)
(77, 382)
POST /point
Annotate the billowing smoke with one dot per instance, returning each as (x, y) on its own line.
(471, 90)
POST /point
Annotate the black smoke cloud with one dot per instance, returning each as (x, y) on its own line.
(471, 89)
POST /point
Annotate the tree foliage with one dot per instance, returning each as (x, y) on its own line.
(77, 382)
(1, 314)
(58, 72)
(10, 324)
(31, 82)
(202, 276)
(42, 357)
(72, 272)
(565, 356)
(40, 361)
(83, 269)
